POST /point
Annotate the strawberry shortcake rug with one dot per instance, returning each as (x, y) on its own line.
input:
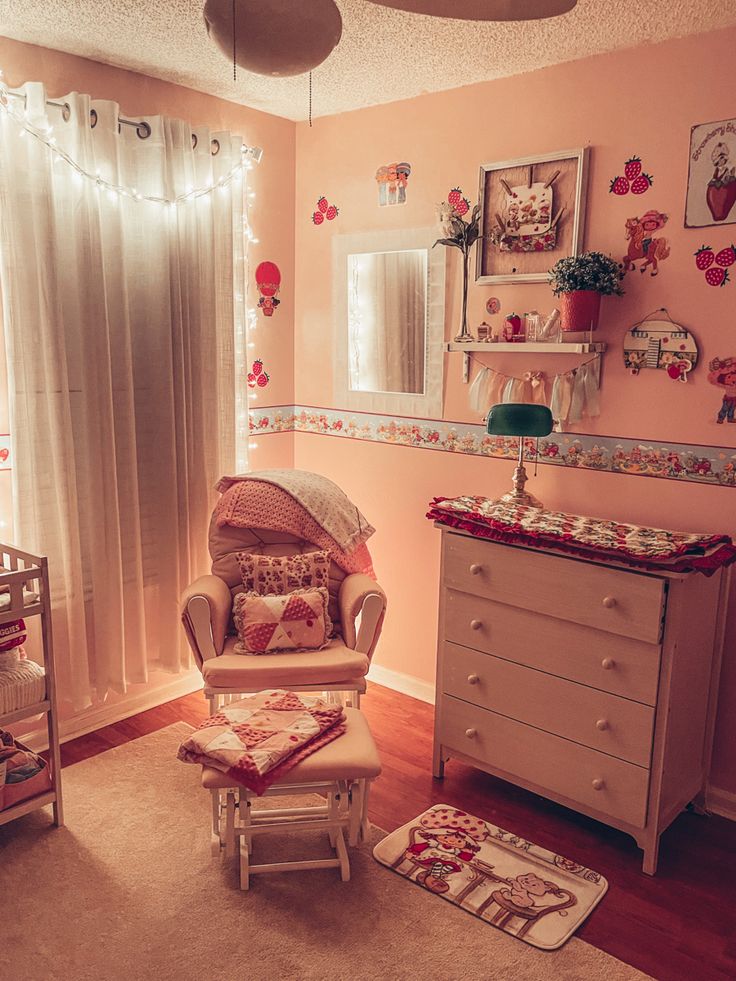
(513, 884)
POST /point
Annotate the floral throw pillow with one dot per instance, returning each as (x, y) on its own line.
(266, 574)
(295, 621)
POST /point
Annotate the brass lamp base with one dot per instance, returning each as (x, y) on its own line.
(518, 495)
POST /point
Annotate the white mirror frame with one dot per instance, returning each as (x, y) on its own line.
(428, 405)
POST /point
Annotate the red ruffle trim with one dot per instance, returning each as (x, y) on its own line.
(689, 560)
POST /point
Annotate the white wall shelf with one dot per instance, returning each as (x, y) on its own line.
(531, 347)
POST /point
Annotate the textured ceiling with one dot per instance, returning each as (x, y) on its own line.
(384, 54)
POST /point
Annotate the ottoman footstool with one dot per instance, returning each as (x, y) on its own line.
(341, 772)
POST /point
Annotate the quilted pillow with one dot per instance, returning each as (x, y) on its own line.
(266, 574)
(296, 621)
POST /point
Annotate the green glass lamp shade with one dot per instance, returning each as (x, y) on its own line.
(519, 419)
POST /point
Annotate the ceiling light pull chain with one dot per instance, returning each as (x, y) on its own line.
(235, 64)
(310, 100)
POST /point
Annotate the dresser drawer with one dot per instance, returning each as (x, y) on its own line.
(593, 718)
(553, 764)
(619, 602)
(620, 665)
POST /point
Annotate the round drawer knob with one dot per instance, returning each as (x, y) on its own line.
(609, 602)
(476, 624)
(602, 725)
(598, 784)
(473, 679)
(471, 733)
(608, 663)
(476, 569)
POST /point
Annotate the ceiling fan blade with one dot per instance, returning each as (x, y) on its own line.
(483, 9)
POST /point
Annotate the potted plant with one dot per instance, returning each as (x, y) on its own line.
(581, 281)
(460, 234)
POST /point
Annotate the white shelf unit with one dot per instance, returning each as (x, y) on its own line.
(531, 347)
(23, 571)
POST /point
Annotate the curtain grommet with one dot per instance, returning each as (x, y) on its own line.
(214, 147)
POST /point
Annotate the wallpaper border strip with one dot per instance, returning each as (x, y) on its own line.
(710, 465)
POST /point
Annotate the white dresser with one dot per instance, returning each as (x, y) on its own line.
(589, 684)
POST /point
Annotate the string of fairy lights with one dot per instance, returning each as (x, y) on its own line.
(245, 317)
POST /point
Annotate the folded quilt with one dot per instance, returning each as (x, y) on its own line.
(594, 538)
(260, 738)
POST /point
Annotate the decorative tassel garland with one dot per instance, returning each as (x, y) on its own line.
(575, 394)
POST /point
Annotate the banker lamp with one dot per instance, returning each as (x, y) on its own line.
(520, 419)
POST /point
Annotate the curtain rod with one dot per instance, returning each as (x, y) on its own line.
(141, 126)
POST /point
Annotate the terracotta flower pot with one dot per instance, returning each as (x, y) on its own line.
(580, 310)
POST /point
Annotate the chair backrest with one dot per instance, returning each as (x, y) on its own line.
(224, 542)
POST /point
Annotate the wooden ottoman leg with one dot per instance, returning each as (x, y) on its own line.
(229, 823)
(342, 854)
(355, 810)
(365, 824)
(333, 801)
(216, 840)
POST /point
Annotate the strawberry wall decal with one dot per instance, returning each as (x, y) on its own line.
(634, 180)
(325, 211)
(257, 377)
(715, 265)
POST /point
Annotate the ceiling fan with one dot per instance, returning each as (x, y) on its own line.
(483, 9)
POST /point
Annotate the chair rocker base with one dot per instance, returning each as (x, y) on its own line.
(343, 815)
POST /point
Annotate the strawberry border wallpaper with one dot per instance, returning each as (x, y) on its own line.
(714, 465)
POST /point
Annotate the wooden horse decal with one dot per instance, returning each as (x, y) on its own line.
(642, 244)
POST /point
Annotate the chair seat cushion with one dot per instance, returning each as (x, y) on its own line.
(334, 663)
(352, 756)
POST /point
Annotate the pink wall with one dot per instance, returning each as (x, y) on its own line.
(641, 101)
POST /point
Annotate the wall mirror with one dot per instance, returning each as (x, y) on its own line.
(389, 302)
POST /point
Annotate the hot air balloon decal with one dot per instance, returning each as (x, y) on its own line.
(268, 281)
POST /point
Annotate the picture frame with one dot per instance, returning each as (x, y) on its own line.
(711, 178)
(532, 214)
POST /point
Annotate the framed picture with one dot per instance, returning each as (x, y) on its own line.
(532, 214)
(711, 179)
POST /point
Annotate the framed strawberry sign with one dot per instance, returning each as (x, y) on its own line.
(711, 182)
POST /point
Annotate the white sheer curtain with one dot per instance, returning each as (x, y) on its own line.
(120, 321)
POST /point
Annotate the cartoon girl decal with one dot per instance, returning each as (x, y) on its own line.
(723, 374)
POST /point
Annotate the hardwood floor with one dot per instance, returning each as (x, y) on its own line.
(677, 925)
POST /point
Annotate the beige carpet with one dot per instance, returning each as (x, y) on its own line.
(128, 890)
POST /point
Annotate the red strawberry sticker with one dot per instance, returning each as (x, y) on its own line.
(262, 380)
(704, 257)
(257, 367)
(455, 197)
(322, 204)
(251, 380)
(331, 213)
(727, 256)
(619, 185)
(318, 217)
(462, 207)
(641, 184)
(716, 276)
(632, 168)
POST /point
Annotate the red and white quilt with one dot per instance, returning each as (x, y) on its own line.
(593, 538)
(260, 738)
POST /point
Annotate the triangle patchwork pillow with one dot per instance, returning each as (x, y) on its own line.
(297, 621)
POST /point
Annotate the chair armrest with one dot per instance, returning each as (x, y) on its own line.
(359, 594)
(206, 605)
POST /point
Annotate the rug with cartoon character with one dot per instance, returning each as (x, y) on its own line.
(513, 884)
